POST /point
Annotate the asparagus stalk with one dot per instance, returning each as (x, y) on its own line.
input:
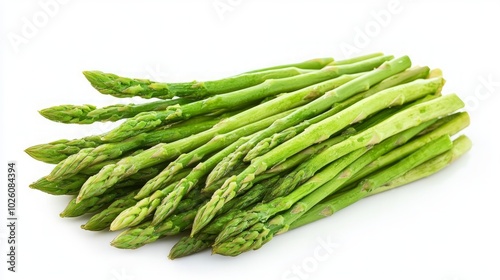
(393, 125)
(336, 100)
(212, 146)
(318, 184)
(147, 233)
(87, 114)
(291, 180)
(188, 245)
(312, 64)
(171, 201)
(262, 212)
(143, 208)
(430, 150)
(316, 133)
(319, 63)
(149, 120)
(292, 219)
(68, 186)
(126, 87)
(93, 204)
(73, 184)
(308, 168)
(111, 174)
(103, 219)
(309, 152)
(354, 59)
(94, 155)
(56, 151)
(330, 206)
(262, 232)
(448, 125)
(107, 83)
(216, 144)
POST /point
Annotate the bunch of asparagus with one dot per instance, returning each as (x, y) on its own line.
(234, 162)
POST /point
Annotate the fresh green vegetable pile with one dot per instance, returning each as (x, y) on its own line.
(233, 162)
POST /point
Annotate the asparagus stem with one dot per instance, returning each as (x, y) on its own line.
(149, 120)
(355, 59)
(316, 133)
(262, 212)
(307, 153)
(143, 208)
(261, 233)
(91, 156)
(188, 245)
(147, 233)
(171, 201)
(93, 204)
(338, 101)
(111, 174)
(126, 87)
(448, 126)
(393, 125)
(216, 144)
(330, 206)
(312, 64)
(294, 178)
(103, 219)
(56, 151)
(69, 186)
(87, 114)
(107, 83)
(308, 168)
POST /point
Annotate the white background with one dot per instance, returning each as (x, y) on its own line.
(445, 227)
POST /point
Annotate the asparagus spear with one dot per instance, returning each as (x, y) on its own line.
(147, 233)
(111, 174)
(330, 206)
(93, 204)
(320, 189)
(313, 64)
(292, 219)
(309, 152)
(70, 186)
(126, 87)
(171, 201)
(319, 63)
(103, 219)
(94, 155)
(87, 114)
(212, 146)
(320, 131)
(188, 245)
(449, 125)
(269, 143)
(216, 144)
(308, 168)
(262, 212)
(285, 131)
(107, 83)
(73, 184)
(149, 120)
(298, 175)
(261, 233)
(354, 59)
(56, 151)
(430, 150)
(136, 213)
